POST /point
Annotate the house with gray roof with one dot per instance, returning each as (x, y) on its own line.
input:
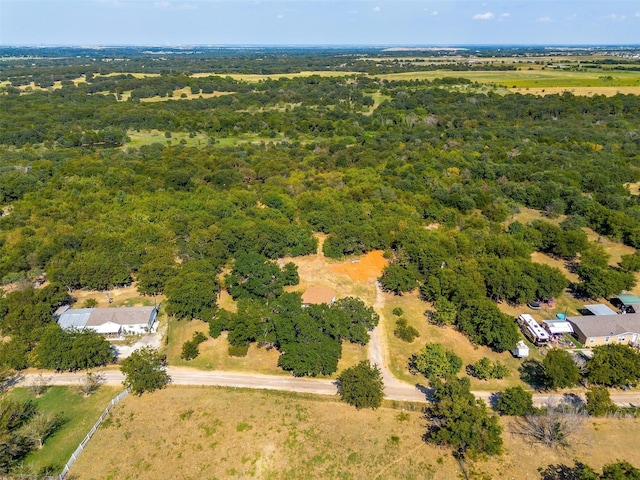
(110, 321)
(594, 330)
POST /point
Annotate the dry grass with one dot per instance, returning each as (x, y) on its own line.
(125, 296)
(400, 351)
(208, 432)
(214, 351)
(634, 188)
(186, 91)
(614, 249)
(314, 270)
(526, 215)
(579, 91)
(364, 269)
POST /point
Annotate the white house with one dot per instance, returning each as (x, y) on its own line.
(110, 321)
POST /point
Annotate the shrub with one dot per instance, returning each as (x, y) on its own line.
(484, 369)
(404, 331)
(238, 350)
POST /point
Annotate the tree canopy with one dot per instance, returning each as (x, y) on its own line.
(361, 385)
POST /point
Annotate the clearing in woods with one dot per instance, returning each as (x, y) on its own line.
(354, 277)
(208, 432)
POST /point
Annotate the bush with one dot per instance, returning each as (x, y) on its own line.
(599, 401)
(238, 350)
(515, 401)
(190, 350)
(404, 331)
(397, 311)
(434, 361)
(484, 369)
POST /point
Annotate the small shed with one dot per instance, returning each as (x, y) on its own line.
(628, 303)
(521, 350)
(558, 327)
(318, 296)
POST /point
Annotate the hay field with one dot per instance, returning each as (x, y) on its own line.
(208, 432)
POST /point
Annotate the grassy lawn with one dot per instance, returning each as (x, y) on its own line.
(80, 413)
(400, 351)
(208, 432)
(149, 137)
(214, 351)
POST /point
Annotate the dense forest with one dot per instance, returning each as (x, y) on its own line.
(371, 163)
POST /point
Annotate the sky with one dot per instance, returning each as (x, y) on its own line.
(319, 22)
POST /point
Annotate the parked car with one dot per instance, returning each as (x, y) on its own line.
(534, 305)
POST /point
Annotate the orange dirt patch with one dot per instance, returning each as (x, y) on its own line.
(367, 267)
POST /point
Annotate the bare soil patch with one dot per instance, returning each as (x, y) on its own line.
(124, 296)
(364, 269)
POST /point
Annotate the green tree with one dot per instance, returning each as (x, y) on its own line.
(599, 401)
(484, 369)
(192, 293)
(461, 421)
(434, 361)
(361, 385)
(630, 262)
(560, 371)
(445, 313)
(620, 470)
(515, 401)
(144, 371)
(486, 325)
(614, 365)
(71, 350)
(399, 278)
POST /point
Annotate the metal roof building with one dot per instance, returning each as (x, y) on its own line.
(593, 330)
(110, 321)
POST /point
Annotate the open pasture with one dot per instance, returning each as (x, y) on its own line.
(208, 432)
(79, 412)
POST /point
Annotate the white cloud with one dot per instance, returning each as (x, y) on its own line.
(616, 18)
(162, 4)
(638, 14)
(505, 15)
(484, 16)
(377, 9)
(280, 15)
(572, 17)
(545, 19)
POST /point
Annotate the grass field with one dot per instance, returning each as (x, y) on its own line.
(400, 351)
(532, 78)
(207, 432)
(80, 412)
(149, 137)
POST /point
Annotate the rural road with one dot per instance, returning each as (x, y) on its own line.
(394, 388)
(190, 376)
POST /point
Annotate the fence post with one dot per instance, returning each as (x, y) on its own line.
(76, 453)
